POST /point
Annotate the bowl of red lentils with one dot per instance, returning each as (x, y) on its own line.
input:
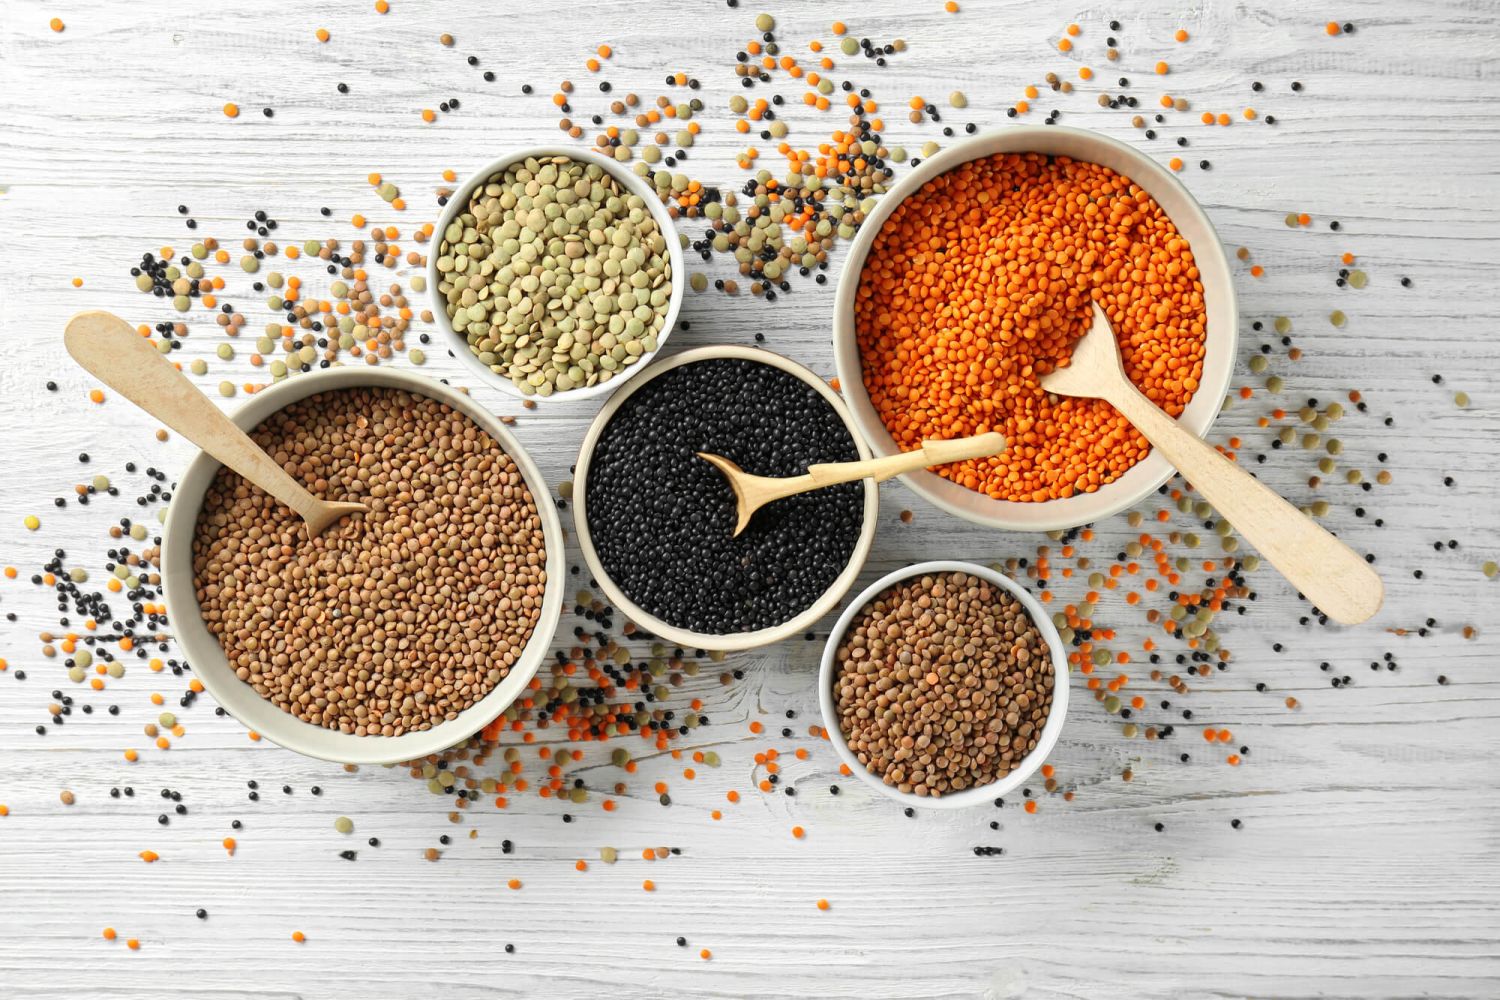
(555, 273)
(972, 278)
(397, 632)
(944, 685)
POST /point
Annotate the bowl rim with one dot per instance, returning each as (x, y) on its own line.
(737, 640)
(1220, 341)
(459, 199)
(261, 715)
(1051, 729)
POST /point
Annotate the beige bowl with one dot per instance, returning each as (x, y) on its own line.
(636, 185)
(1051, 729)
(1219, 348)
(736, 640)
(259, 714)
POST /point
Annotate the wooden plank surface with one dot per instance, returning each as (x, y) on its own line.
(1365, 863)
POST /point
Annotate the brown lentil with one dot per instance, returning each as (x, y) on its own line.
(944, 683)
(394, 620)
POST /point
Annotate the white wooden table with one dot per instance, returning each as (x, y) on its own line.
(1365, 864)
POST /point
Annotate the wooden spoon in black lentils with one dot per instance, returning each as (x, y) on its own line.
(662, 519)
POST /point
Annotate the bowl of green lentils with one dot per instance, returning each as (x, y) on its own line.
(556, 273)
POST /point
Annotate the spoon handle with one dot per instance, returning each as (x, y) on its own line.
(122, 359)
(931, 453)
(1328, 573)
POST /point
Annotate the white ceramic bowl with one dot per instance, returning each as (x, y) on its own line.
(1051, 729)
(1219, 348)
(736, 640)
(459, 200)
(282, 728)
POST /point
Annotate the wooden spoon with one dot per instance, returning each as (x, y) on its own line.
(125, 361)
(1327, 572)
(753, 492)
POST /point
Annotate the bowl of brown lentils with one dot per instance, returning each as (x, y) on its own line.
(397, 632)
(944, 685)
(556, 273)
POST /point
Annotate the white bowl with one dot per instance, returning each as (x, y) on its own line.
(238, 698)
(1051, 729)
(1220, 343)
(459, 200)
(735, 640)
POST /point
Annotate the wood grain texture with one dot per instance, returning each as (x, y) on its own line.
(1366, 862)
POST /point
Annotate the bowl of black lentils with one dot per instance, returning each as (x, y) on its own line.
(944, 685)
(555, 273)
(397, 632)
(656, 522)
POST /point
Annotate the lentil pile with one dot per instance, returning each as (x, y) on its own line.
(390, 621)
(980, 283)
(556, 276)
(662, 519)
(944, 684)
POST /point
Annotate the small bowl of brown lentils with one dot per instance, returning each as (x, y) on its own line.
(944, 685)
(398, 632)
(656, 522)
(556, 273)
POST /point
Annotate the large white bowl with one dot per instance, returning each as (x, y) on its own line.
(1219, 347)
(459, 200)
(735, 640)
(239, 698)
(1051, 729)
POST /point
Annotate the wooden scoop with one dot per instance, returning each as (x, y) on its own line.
(1327, 572)
(753, 492)
(125, 361)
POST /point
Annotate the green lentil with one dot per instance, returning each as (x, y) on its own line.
(226, 389)
(344, 824)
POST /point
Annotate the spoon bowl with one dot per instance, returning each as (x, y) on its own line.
(110, 349)
(1327, 572)
(753, 492)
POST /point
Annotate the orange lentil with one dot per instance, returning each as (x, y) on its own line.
(705, 954)
(133, 944)
(951, 6)
(381, 6)
(1162, 69)
(514, 883)
(1332, 27)
(798, 832)
(298, 937)
(149, 856)
(822, 904)
(321, 34)
(56, 24)
(1181, 35)
(109, 933)
(648, 885)
(953, 343)
(231, 110)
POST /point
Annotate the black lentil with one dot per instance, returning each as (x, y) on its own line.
(661, 518)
